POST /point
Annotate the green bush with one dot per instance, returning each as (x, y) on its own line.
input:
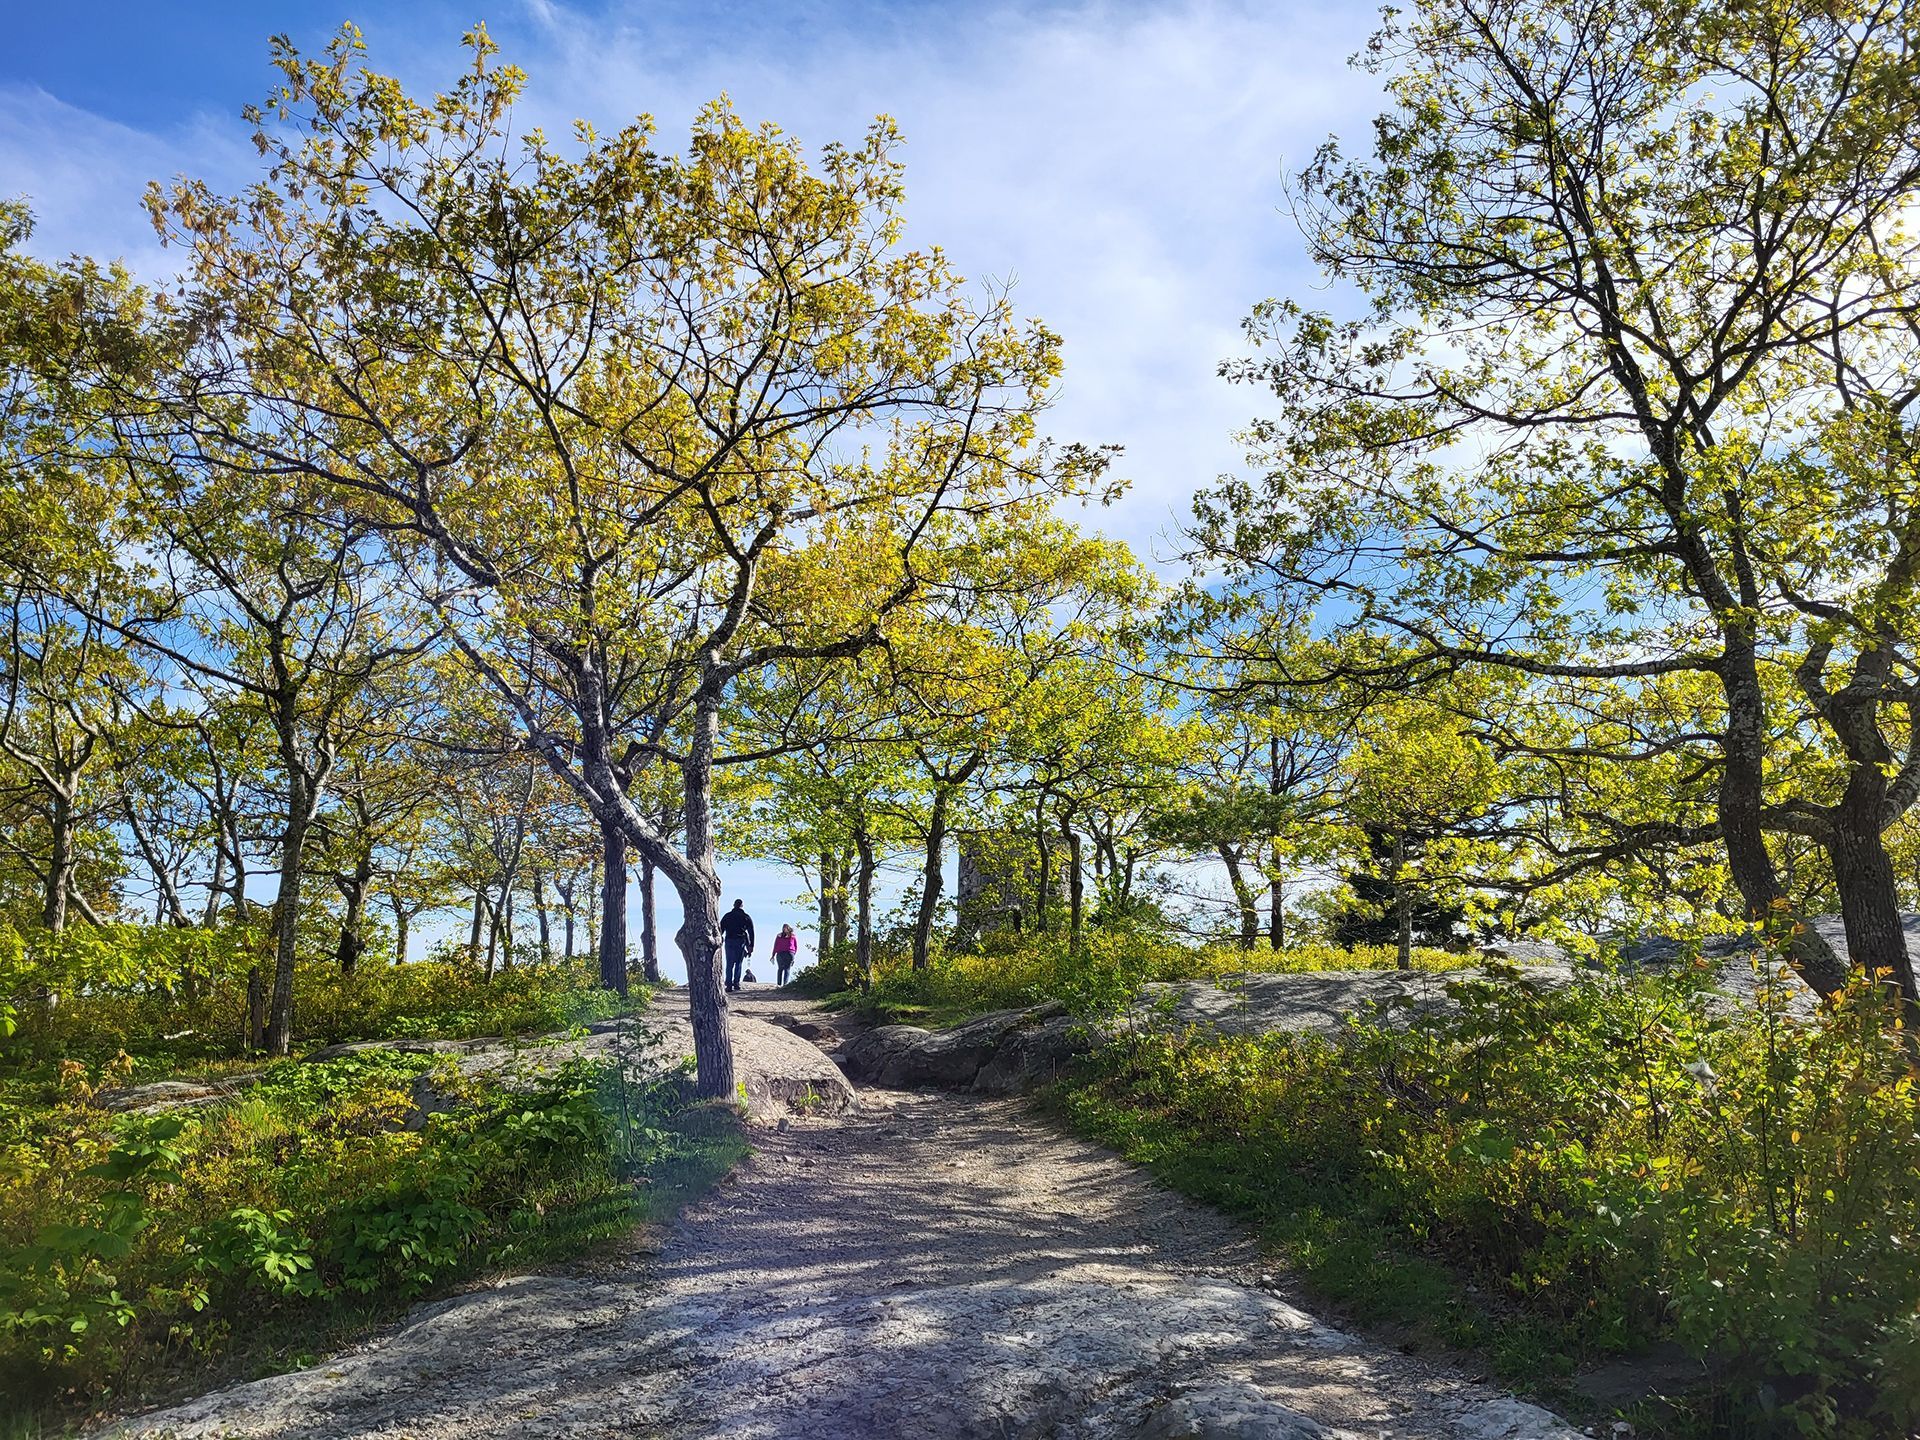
(135, 1248)
(1614, 1162)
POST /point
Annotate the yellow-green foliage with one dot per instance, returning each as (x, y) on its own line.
(1106, 971)
(170, 995)
(1612, 1158)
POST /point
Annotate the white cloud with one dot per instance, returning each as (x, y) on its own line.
(1122, 163)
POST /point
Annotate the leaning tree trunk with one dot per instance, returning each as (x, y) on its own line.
(930, 880)
(353, 889)
(649, 925)
(1854, 841)
(1243, 897)
(400, 919)
(613, 908)
(1870, 909)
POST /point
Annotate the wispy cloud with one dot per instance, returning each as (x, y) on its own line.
(1120, 162)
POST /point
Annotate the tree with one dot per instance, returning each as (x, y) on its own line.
(637, 425)
(1631, 399)
(59, 664)
(267, 600)
(1415, 782)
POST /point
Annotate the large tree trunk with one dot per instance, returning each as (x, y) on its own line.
(613, 908)
(649, 925)
(1741, 800)
(863, 843)
(1862, 870)
(930, 880)
(1870, 911)
(699, 891)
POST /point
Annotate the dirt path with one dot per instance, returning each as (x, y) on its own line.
(928, 1266)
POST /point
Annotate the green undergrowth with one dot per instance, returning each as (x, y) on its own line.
(141, 1257)
(1559, 1178)
(1107, 968)
(176, 1000)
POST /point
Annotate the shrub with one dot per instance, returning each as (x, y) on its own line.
(1618, 1159)
(131, 1247)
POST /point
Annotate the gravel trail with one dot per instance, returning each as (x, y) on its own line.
(927, 1266)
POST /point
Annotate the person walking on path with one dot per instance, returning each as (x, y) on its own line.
(736, 934)
(785, 946)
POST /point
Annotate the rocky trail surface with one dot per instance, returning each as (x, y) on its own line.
(925, 1265)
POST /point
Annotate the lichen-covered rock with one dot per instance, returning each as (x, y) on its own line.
(779, 1072)
(158, 1095)
(1033, 1054)
(1003, 1053)
(1227, 1410)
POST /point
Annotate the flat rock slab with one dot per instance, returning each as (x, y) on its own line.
(779, 1073)
(1011, 1051)
(933, 1265)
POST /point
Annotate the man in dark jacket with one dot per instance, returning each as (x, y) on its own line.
(736, 934)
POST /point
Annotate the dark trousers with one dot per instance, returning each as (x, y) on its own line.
(786, 964)
(736, 961)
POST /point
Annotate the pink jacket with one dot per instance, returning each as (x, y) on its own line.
(786, 944)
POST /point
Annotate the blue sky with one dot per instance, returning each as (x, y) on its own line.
(1121, 162)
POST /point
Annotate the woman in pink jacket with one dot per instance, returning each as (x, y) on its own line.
(785, 946)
